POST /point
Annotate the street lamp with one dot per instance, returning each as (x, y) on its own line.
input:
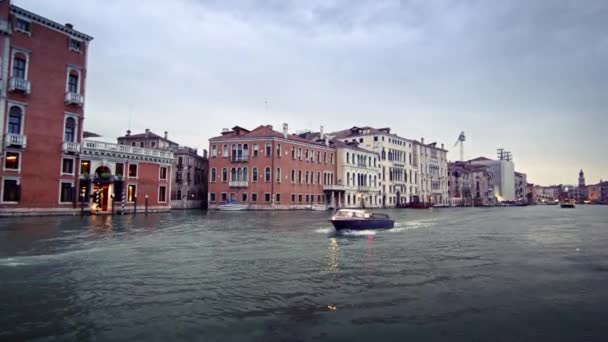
(146, 204)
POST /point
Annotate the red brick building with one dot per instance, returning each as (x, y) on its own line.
(266, 169)
(43, 69)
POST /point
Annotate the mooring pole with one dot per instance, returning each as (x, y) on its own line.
(146, 204)
(134, 205)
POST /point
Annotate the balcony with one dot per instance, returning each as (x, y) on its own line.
(334, 187)
(239, 159)
(238, 184)
(70, 147)
(74, 98)
(365, 188)
(15, 140)
(19, 84)
(103, 148)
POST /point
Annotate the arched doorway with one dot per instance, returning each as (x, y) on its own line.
(102, 188)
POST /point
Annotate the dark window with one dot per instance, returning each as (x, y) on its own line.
(266, 197)
(162, 194)
(67, 192)
(213, 174)
(70, 129)
(224, 197)
(10, 191)
(244, 197)
(141, 144)
(120, 169)
(254, 197)
(268, 149)
(67, 166)
(293, 198)
(278, 198)
(73, 83)
(132, 193)
(85, 167)
(212, 197)
(75, 44)
(224, 175)
(267, 176)
(22, 25)
(11, 160)
(300, 198)
(254, 174)
(132, 170)
(163, 173)
(14, 120)
(19, 65)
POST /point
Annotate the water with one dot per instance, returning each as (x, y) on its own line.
(500, 274)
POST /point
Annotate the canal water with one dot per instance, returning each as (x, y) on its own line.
(497, 274)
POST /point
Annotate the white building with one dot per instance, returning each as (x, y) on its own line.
(358, 172)
(503, 171)
(406, 166)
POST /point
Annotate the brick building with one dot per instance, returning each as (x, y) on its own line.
(266, 169)
(43, 68)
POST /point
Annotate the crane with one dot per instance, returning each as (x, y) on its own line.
(461, 140)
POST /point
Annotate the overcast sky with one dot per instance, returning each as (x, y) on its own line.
(528, 76)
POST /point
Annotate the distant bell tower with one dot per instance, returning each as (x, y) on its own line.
(582, 189)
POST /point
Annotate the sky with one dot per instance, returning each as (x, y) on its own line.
(527, 76)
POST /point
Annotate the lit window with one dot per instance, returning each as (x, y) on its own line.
(85, 167)
(11, 161)
(131, 192)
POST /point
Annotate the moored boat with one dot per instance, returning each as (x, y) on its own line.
(354, 219)
(232, 206)
(567, 204)
(318, 207)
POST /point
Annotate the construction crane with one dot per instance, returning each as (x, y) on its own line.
(461, 140)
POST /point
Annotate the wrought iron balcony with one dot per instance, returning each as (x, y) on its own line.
(15, 140)
(238, 184)
(70, 147)
(74, 98)
(19, 84)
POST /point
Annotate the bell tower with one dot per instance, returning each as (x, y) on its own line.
(582, 189)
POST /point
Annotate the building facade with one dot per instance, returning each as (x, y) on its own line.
(410, 171)
(41, 111)
(503, 177)
(470, 185)
(521, 187)
(358, 172)
(267, 169)
(190, 170)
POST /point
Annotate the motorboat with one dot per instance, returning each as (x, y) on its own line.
(567, 204)
(440, 205)
(318, 207)
(356, 219)
(232, 206)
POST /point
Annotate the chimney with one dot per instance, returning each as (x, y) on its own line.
(70, 26)
(422, 141)
(321, 133)
(128, 132)
(166, 134)
(442, 147)
(147, 132)
(285, 130)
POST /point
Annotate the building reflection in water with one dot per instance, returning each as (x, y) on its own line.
(331, 261)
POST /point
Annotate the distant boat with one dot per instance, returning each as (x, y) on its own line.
(552, 203)
(567, 204)
(418, 205)
(355, 219)
(232, 206)
(440, 205)
(318, 207)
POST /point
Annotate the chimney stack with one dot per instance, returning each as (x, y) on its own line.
(166, 134)
(128, 132)
(321, 133)
(442, 147)
(422, 141)
(285, 130)
(70, 26)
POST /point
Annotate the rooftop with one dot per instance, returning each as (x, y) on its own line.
(263, 131)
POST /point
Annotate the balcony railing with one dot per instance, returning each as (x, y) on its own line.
(238, 184)
(365, 188)
(110, 147)
(239, 159)
(334, 187)
(19, 84)
(70, 147)
(74, 98)
(15, 140)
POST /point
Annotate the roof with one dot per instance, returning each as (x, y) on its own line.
(145, 136)
(356, 131)
(50, 23)
(87, 134)
(262, 131)
(480, 159)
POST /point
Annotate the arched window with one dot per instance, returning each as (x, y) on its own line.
(267, 175)
(19, 66)
(70, 130)
(348, 178)
(347, 157)
(73, 82)
(14, 120)
(245, 174)
(239, 174)
(233, 174)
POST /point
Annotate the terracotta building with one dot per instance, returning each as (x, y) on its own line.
(43, 69)
(190, 170)
(266, 169)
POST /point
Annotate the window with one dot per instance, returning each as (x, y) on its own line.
(293, 153)
(277, 198)
(267, 197)
(141, 144)
(19, 65)
(180, 161)
(293, 198)
(213, 151)
(375, 138)
(14, 120)
(293, 176)
(300, 176)
(255, 150)
(132, 193)
(224, 197)
(319, 157)
(66, 192)
(212, 197)
(120, 169)
(300, 198)
(254, 197)
(279, 150)
(75, 45)
(132, 170)
(267, 174)
(85, 167)
(225, 151)
(213, 175)
(332, 158)
(319, 178)
(268, 151)
(163, 172)
(347, 157)
(73, 83)
(22, 25)
(300, 153)
(278, 175)
(254, 174)
(11, 160)
(10, 190)
(67, 166)
(325, 157)
(224, 175)
(70, 130)
(244, 197)
(162, 194)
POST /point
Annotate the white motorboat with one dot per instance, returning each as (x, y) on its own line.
(232, 206)
(318, 207)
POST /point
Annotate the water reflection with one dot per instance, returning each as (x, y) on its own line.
(331, 261)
